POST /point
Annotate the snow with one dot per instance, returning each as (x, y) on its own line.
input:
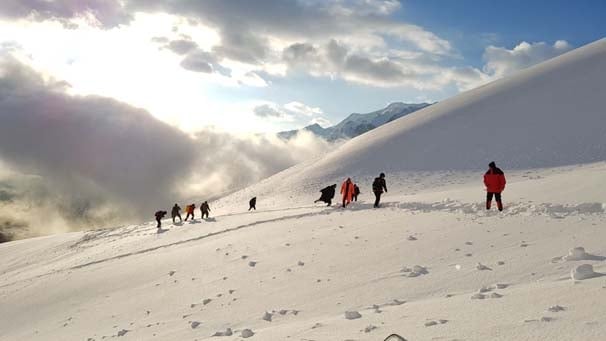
(294, 270)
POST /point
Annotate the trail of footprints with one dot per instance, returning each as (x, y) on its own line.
(495, 291)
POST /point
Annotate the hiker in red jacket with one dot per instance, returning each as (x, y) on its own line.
(189, 209)
(347, 190)
(494, 180)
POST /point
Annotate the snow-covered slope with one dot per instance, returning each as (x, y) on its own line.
(431, 264)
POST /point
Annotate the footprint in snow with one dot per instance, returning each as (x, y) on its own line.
(195, 324)
(584, 271)
(416, 271)
(252, 264)
(171, 273)
(482, 267)
(370, 328)
(556, 308)
(227, 332)
(246, 333)
(352, 315)
(267, 316)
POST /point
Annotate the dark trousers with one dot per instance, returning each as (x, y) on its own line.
(204, 213)
(177, 215)
(377, 198)
(159, 222)
(497, 197)
(355, 197)
(192, 216)
(252, 207)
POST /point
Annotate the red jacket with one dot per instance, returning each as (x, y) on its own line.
(494, 179)
(347, 190)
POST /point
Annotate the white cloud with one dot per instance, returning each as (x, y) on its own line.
(302, 109)
(323, 122)
(500, 61)
(69, 143)
(270, 111)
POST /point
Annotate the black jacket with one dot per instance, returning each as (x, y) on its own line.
(328, 193)
(378, 186)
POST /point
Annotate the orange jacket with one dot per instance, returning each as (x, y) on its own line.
(347, 190)
(189, 208)
(494, 179)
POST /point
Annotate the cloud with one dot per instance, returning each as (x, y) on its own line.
(269, 110)
(104, 13)
(302, 109)
(243, 47)
(181, 46)
(114, 146)
(71, 161)
(290, 112)
(262, 36)
(200, 61)
(500, 61)
(235, 161)
(255, 33)
(336, 59)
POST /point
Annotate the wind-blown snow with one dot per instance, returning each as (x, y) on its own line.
(532, 272)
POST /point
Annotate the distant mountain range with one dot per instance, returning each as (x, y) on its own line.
(357, 124)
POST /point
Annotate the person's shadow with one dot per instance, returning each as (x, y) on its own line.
(161, 230)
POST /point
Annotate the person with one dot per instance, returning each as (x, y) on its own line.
(378, 187)
(347, 191)
(494, 180)
(204, 209)
(328, 193)
(190, 211)
(356, 192)
(176, 212)
(253, 204)
(159, 215)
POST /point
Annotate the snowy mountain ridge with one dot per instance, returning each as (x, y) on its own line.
(356, 124)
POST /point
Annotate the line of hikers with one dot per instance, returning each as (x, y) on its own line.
(494, 180)
(190, 209)
(350, 191)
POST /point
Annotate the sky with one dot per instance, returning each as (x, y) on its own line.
(272, 65)
(111, 107)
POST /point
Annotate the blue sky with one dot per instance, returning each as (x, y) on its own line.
(268, 65)
(470, 22)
